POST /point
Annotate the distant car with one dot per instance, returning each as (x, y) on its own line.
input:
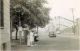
(52, 34)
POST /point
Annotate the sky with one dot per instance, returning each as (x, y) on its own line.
(64, 8)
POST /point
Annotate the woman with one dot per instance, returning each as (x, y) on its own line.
(30, 38)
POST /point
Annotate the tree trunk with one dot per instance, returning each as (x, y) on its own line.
(16, 33)
(25, 35)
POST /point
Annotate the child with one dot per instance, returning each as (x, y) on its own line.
(35, 37)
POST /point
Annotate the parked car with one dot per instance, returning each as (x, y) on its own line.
(52, 34)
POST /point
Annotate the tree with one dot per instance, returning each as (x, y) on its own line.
(32, 13)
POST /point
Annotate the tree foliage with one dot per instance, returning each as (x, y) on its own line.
(31, 12)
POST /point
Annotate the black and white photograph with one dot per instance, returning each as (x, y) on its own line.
(39, 25)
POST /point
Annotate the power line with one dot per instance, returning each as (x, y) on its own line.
(73, 20)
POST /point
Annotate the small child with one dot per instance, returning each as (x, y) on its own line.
(35, 38)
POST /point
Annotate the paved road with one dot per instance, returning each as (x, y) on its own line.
(51, 44)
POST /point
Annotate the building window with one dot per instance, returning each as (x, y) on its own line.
(1, 14)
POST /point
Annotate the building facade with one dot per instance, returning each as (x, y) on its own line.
(5, 25)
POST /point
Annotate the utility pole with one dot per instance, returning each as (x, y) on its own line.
(73, 21)
(59, 23)
(78, 27)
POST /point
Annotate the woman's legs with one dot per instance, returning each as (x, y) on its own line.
(31, 43)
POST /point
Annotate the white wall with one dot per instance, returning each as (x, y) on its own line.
(5, 33)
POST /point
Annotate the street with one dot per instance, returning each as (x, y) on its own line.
(51, 44)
